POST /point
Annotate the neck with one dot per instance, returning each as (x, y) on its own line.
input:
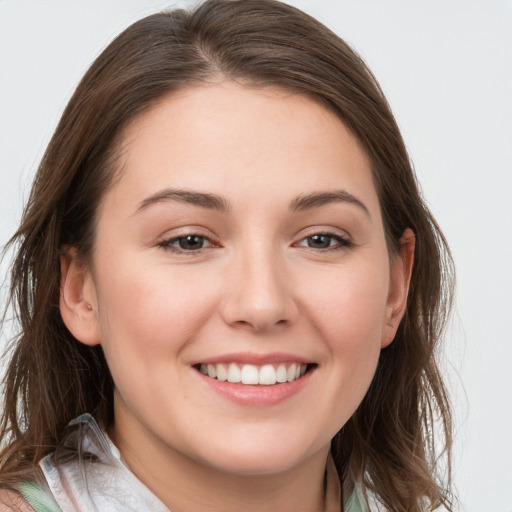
(184, 484)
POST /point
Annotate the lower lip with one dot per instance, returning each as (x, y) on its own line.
(257, 395)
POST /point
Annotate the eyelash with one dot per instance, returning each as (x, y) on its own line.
(341, 243)
(167, 244)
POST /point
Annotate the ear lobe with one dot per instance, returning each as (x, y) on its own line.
(78, 304)
(400, 278)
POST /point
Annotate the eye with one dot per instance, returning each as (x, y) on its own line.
(324, 241)
(188, 243)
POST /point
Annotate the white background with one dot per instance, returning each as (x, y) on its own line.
(446, 67)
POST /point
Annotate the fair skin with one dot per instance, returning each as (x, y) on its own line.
(286, 265)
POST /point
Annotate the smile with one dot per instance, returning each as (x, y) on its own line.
(264, 375)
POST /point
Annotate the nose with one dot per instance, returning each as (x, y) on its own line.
(258, 295)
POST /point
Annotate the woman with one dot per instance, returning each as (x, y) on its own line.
(229, 288)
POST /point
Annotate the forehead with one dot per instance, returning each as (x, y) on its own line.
(235, 140)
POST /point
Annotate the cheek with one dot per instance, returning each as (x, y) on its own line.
(154, 311)
(147, 319)
(348, 305)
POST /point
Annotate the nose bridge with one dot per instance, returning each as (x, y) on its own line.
(258, 294)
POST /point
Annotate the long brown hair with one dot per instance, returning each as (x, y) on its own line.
(388, 445)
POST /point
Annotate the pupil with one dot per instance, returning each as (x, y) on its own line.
(319, 241)
(191, 242)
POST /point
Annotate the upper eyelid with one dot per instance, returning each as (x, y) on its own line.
(184, 231)
(169, 240)
(343, 240)
(327, 231)
(304, 233)
(167, 245)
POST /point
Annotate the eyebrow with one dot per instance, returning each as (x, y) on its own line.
(201, 199)
(318, 199)
(215, 202)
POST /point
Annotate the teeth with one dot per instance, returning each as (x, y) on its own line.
(281, 373)
(249, 374)
(290, 373)
(234, 373)
(266, 375)
(222, 373)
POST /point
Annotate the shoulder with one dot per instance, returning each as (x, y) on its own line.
(12, 501)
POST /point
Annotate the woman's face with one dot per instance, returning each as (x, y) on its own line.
(244, 239)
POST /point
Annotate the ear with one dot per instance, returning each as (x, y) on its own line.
(78, 301)
(400, 278)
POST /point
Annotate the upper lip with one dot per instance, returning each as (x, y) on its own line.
(253, 358)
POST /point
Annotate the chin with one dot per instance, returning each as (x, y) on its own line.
(262, 458)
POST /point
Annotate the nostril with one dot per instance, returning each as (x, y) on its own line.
(259, 304)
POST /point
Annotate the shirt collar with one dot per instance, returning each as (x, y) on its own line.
(87, 475)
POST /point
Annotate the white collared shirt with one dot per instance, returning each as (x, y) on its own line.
(95, 479)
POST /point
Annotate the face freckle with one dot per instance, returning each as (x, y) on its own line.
(208, 255)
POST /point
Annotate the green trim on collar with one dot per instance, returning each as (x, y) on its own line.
(38, 498)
